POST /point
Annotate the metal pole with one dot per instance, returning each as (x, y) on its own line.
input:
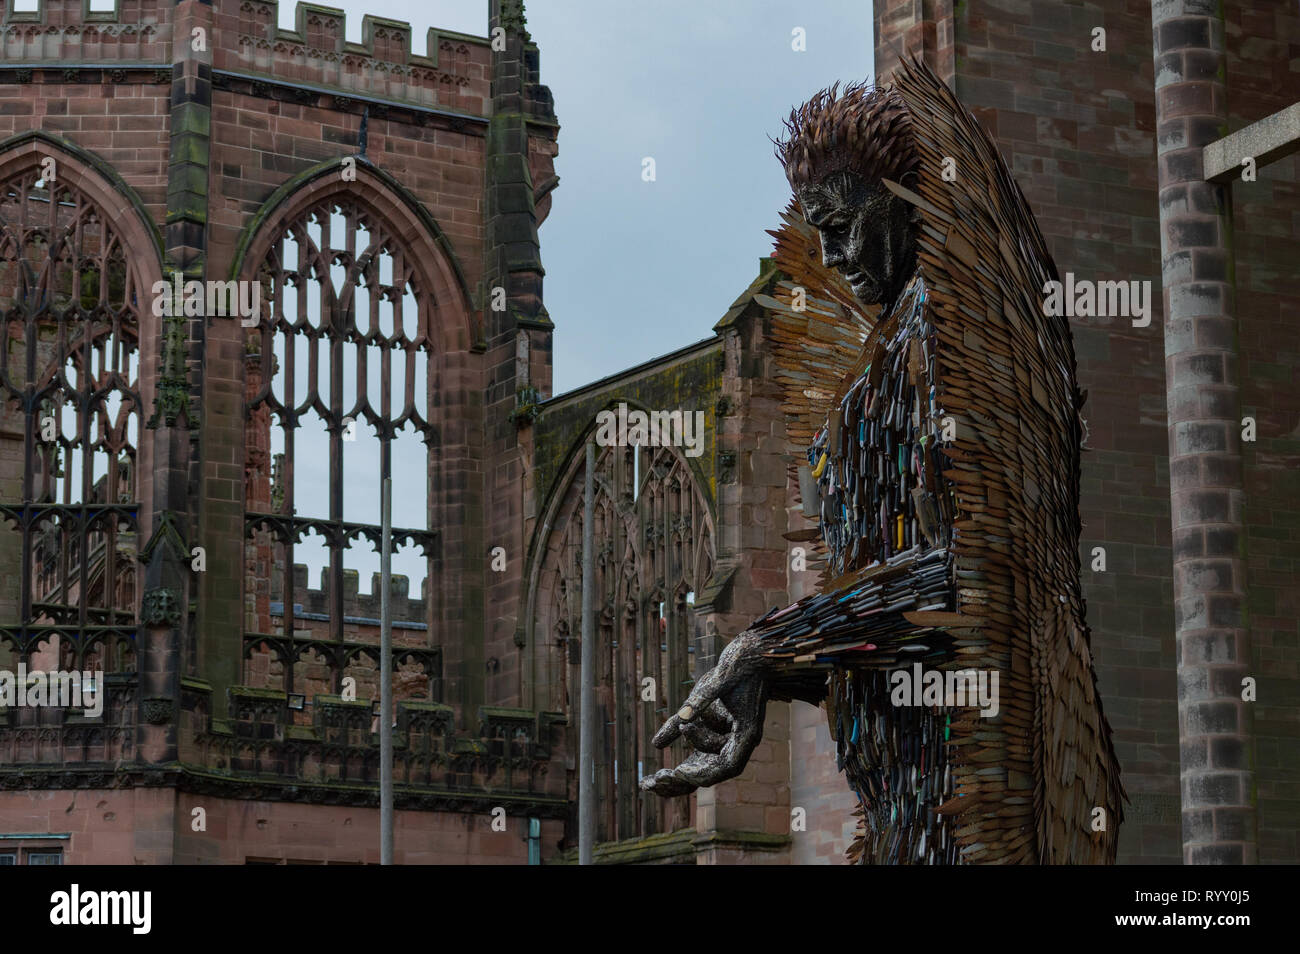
(386, 677)
(587, 728)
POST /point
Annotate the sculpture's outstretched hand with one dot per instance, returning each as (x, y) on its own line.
(722, 718)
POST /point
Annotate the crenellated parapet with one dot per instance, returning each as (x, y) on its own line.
(455, 72)
(139, 31)
(363, 606)
(314, 57)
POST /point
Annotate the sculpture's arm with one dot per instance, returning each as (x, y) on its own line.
(875, 617)
(878, 616)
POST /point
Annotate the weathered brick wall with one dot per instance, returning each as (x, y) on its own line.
(1263, 76)
(820, 789)
(752, 486)
(276, 832)
(922, 28)
(1077, 128)
(521, 140)
(121, 121)
(155, 826)
(116, 826)
(207, 133)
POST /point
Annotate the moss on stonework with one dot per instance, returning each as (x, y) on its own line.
(690, 382)
(486, 799)
(248, 692)
(637, 851)
(340, 702)
(188, 177)
(416, 705)
(191, 118)
(190, 147)
(503, 712)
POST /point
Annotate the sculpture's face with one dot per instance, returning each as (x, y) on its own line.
(866, 233)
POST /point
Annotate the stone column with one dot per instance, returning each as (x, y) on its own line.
(517, 342)
(1205, 467)
(169, 584)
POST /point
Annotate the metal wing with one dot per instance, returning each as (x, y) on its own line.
(1007, 377)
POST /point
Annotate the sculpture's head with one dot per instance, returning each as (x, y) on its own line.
(839, 148)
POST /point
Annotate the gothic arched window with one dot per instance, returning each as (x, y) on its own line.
(337, 391)
(654, 550)
(70, 306)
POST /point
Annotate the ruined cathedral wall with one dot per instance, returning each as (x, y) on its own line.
(227, 130)
(744, 472)
(89, 94)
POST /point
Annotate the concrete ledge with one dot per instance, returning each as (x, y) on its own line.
(1265, 141)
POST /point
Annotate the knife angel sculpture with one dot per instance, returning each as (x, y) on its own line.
(937, 408)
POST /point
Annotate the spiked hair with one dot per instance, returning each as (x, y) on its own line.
(865, 130)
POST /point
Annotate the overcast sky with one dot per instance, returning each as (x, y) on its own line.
(636, 269)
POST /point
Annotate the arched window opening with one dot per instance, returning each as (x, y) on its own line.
(653, 551)
(69, 430)
(337, 380)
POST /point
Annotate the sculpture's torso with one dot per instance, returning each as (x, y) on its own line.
(877, 458)
(883, 501)
(886, 496)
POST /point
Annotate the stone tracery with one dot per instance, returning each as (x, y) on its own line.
(71, 308)
(654, 549)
